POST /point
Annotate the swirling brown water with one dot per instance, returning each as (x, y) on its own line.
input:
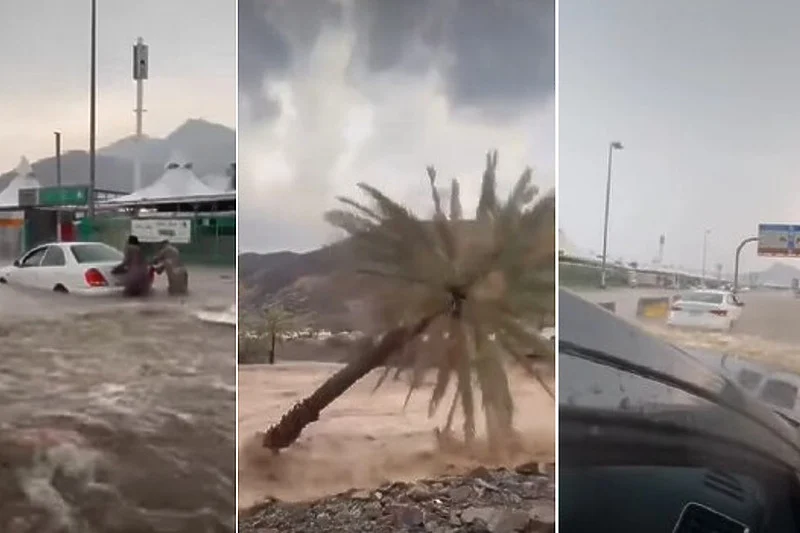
(362, 439)
(120, 420)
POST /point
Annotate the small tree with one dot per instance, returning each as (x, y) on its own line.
(277, 321)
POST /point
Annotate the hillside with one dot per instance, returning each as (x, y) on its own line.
(211, 147)
(320, 283)
(778, 274)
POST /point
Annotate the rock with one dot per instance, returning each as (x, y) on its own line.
(408, 515)
(543, 516)
(479, 472)
(497, 520)
(362, 495)
(473, 514)
(460, 494)
(372, 510)
(419, 493)
(491, 501)
(528, 469)
(507, 521)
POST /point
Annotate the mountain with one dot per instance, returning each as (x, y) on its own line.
(210, 147)
(778, 274)
(320, 283)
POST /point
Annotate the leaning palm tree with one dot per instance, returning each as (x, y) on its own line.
(458, 296)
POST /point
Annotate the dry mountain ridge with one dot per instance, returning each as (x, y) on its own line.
(210, 147)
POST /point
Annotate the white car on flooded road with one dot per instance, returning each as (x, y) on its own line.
(705, 309)
(74, 267)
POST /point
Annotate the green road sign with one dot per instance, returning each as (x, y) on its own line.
(69, 195)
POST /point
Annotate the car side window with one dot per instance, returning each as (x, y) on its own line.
(34, 258)
(54, 257)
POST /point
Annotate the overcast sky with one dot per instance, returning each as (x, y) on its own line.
(336, 92)
(45, 70)
(705, 96)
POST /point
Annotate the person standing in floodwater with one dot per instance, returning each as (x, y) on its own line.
(134, 269)
(169, 259)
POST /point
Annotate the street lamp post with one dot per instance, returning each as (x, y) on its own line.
(614, 145)
(705, 253)
(58, 180)
(92, 107)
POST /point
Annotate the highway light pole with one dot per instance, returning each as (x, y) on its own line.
(92, 107)
(736, 261)
(705, 253)
(614, 145)
(58, 180)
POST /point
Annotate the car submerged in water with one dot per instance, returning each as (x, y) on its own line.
(68, 267)
(652, 439)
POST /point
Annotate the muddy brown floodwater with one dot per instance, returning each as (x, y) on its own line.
(117, 420)
(363, 440)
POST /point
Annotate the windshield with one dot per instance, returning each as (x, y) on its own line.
(702, 297)
(95, 253)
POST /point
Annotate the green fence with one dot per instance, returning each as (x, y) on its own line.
(212, 242)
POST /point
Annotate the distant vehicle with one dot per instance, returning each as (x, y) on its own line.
(705, 309)
(74, 267)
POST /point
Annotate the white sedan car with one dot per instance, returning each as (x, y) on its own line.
(75, 267)
(705, 309)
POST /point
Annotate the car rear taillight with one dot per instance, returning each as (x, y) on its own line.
(719, 312)
(95, 278)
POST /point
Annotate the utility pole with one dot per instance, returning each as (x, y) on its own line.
(93, 110)
(58, 181)
(615, 145)
(140, 68)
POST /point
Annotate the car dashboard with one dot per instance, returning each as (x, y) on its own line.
(671, 499)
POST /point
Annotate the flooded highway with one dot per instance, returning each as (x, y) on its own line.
(768, 330)
(118, 416)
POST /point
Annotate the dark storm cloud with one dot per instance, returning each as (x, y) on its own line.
(497, 54)
(503, 51)
(262, 48)
(269, 33)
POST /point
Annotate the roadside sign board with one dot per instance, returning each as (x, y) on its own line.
(778, 240)
(176, 230)
(65, 195)
(69, 195)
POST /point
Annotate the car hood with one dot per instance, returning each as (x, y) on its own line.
(711, 403)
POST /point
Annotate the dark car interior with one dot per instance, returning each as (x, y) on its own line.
(622, 468)
(677, 499)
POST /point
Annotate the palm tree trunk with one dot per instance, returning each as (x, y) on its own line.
(288, 430)
(272, 349)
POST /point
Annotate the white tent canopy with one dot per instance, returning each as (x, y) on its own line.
(23, 179)
(218, 182)
(177, 181)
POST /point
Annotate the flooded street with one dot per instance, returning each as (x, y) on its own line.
(118, 416)
(363, 440)
(768, 330)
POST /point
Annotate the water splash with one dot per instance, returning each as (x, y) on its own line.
(117, 421)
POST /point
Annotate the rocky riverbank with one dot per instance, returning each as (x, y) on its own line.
(482, 501)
